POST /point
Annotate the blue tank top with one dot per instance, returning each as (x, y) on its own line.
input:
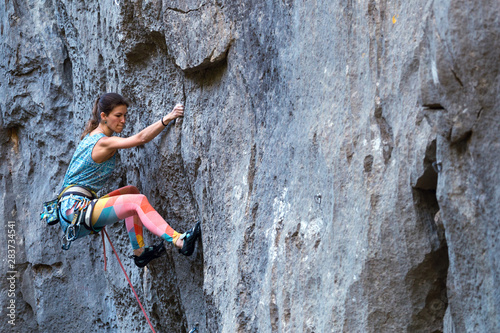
(84, 171)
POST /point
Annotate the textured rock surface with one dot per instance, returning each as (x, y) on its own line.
(309, 149)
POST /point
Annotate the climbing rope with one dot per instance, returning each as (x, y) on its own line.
(126, 275)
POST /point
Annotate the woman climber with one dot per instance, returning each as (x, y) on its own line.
(91, 166)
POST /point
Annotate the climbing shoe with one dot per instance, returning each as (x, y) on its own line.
(190, 238)
(150, 253)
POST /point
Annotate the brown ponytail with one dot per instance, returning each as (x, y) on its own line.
(93, 122)
(105, 103)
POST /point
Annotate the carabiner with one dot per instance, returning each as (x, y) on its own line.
(71, 233)
(437, 166)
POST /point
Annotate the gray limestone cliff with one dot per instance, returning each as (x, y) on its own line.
(343, 157)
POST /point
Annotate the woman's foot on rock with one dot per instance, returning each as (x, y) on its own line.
(150, 253)
(189, 239)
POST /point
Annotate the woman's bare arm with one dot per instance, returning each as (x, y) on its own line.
(107, 146)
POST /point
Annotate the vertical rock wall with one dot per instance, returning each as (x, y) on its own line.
(342, 157)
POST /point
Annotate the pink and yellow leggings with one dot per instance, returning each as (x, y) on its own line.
(129, 204)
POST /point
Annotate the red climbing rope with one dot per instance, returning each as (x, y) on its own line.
(126, 275)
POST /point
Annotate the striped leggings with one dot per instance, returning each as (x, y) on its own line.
(129, 204)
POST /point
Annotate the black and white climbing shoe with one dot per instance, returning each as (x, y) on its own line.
(150, 253)
(190, 238)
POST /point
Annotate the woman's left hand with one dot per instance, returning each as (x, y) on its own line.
(177, 112)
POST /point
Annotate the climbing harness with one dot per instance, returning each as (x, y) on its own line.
(124, 272)
(50, 211)
(84, 199)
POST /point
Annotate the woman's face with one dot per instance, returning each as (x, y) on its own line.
(116, 118)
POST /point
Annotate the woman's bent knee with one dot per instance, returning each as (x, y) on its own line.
(131, 189)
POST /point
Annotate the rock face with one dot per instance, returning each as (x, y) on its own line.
(342, 157)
